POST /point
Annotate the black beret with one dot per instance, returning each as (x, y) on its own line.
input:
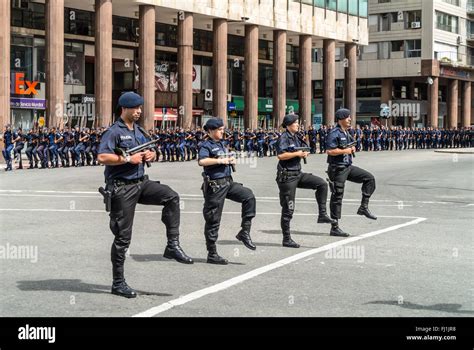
(342, 113)
(213, 123)
(130, 100)
(289, 119)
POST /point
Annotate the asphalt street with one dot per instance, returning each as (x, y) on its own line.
(417, 259)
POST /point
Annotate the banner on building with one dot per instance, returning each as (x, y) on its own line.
(162, 76)
(74, 68)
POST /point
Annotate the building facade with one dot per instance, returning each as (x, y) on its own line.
(420, 55)
(247, 61)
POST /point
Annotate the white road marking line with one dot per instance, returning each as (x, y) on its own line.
(183, 212)
(261, 270)
(191, 197)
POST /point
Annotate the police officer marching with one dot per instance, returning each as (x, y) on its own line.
(340, 169)
(290, 177)
(128, 185)
(219, 185)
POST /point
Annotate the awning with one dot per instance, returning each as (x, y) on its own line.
(171, 114)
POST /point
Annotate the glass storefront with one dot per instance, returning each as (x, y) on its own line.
(27, 73)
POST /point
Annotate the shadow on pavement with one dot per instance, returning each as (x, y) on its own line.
(452, 308)
(296, 233)
(73, 285)
(265, 244)
(159, 257)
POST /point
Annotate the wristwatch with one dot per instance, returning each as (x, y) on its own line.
(128, 158)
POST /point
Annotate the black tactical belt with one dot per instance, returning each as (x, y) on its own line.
(289, 172)
(123, 182)
(221, 181)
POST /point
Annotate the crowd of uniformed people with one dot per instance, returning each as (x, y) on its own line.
(76, 147)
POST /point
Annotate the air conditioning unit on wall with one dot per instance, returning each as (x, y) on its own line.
(415, 25)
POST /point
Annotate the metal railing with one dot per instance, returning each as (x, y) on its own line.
(454, 59)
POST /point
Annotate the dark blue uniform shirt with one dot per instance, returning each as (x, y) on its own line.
(285, 143)
(118, 135)
(7, 138)
(337, 137)
(214, 149)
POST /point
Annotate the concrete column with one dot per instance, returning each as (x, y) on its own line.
(305, 93)
(279, 77)
(350, 81)
(5, 65)
(408, 121)
(453, 95)
(54, 16)
(433, 102)
(147, 64)
(103, 62)
(185, 70)
(329, 81)
(251, 77)
(387, 86)
(219, 48)
(466, 104)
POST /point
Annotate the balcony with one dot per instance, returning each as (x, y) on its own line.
(454, 59)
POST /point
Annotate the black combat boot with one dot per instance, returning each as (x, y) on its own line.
(364, 209)
(121, 288)
(174, 251)
(323, 217)
(213, 257)
(288, 242)
(336, 231)
(244, 236)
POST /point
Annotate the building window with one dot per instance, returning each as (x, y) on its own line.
(446, 22)
(27, 14)
(369, 88)
(316, 55)
(331, 5)
(21, 59)
(265, 81)
(384, 50)
(353, 8)
(166, 35)
(262, 50)
(339, 93)
(74, 63)
(318, 89)
(385, 21)
(452, 2)
(79, 22)
(413, 48)
(363, 8)
(236, 78)
(289, 54)
(291, 84)
(320, 3)
(342, 6)
(397, 46)
(235, 45)
(413, 20)
(124, 29)
(39, 60)
(202, 40)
